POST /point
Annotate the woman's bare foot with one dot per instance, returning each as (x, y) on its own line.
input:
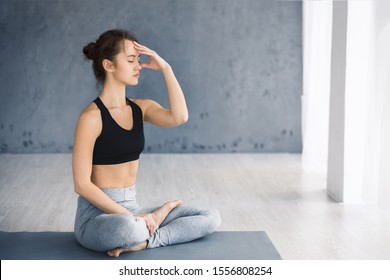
(116, 252)
(158, 216)
(161, 213)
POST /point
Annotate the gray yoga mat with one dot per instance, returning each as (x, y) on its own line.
(222, 245)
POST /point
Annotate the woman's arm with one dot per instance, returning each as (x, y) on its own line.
(88, 129)
(154, 112)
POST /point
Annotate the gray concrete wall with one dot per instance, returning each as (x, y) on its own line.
(239, 64)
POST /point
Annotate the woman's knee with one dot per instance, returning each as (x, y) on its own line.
(214, 219)
(109, 231)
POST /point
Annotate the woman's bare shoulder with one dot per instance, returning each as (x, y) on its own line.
(91, 111)
(143, 103)
(90, 117)
(138, 101)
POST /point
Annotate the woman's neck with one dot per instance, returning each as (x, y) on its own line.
(114, 95)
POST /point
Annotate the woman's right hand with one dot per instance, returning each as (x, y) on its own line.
(150, 222)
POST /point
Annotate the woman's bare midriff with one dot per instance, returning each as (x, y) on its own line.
(121, 175)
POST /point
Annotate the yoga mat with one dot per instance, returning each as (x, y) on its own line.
(222, 245)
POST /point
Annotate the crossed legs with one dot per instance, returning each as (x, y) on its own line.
(159, 216)
(175, 223)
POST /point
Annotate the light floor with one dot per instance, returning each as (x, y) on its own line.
(254, 192)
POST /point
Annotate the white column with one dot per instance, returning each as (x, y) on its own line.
(353, 128)
(317, 32)
(360, 126)
(383, 90)
(335, 175)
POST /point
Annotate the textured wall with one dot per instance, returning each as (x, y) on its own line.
(239, 64)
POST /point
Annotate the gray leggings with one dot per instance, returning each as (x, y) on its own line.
(99, 231)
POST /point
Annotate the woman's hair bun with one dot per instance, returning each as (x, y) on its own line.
(90, 50)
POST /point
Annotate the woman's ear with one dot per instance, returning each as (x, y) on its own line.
(108, 65)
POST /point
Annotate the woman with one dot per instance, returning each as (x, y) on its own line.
(108, 141)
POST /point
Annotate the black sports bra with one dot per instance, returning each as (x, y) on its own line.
(115, 144)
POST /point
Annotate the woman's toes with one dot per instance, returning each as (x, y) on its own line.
(173, 204)
(178, 202)
(116, 252)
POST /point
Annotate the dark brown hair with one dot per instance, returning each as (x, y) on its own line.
(107, 46)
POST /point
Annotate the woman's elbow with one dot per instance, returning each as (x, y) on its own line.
(79, 187)
(180, 120)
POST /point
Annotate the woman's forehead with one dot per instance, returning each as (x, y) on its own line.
(129, 48)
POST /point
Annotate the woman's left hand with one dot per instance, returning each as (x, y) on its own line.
(155, 62)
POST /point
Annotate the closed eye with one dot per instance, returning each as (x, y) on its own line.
(139, 59)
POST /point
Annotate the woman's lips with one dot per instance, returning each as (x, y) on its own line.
(136, 75)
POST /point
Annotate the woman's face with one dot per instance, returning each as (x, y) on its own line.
(127, 64)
